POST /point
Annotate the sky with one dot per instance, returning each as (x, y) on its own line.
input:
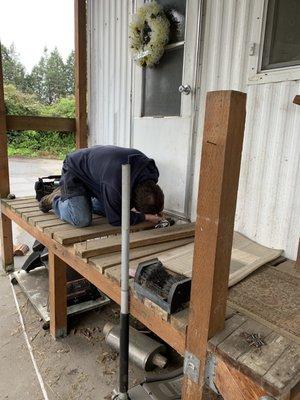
(34, 24)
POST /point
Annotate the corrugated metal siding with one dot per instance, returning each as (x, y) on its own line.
(268, 209)
(109, 72)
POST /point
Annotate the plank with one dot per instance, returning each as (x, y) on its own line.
(163, 256)
(26, 215)
(55, 222)
(234, 385)
(114, 259)
(180, 320)
(284, 374)
(231, 325)
(34, 123)
(58, 296)
(33, 220)
(25, 204)
(137, 239)
(17, 200)
(219, 175)
(262, 360)
(236, 345)
(27, 210)
(5, 223)
(94, 231)
(51, 230)
(80, 73)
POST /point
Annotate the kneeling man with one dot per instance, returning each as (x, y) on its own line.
(91, 183)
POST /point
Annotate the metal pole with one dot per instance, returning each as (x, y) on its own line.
(124, 316)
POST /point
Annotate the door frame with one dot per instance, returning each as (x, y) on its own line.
(193, 81)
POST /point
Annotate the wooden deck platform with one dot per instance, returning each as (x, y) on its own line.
(273, 368)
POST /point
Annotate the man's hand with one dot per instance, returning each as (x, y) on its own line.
(154, 219)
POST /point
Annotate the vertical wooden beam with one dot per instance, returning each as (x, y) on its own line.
(219, 175)
(6, 227)
(58, 296)
(80, 73)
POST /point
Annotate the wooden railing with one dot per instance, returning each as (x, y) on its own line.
(20, 123)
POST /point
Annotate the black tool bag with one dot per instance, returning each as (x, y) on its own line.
(46, 185)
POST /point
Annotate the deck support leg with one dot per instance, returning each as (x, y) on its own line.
(58, 296)
(7, 259)
(5, 225)
(219, 175)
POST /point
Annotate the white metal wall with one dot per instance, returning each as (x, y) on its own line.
(268, 209)
(109, 72)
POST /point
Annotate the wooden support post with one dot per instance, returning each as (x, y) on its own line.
(219, 175)
(6, 227)
(80, 73)
(58, 296)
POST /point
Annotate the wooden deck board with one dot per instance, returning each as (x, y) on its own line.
(236, 345)
(284, 373)
(101, 229)
(26, 215)
(137, 239)
(54, 222)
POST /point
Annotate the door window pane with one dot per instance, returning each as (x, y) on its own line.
(282, 36)
(161, 95)
(160, 83)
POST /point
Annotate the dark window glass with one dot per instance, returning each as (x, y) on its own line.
(282, 36)
(161, 95)
(160, 83)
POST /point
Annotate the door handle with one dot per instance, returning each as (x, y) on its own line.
(185, 89)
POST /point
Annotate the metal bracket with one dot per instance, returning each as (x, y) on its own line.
(210, 368)
(191, 366)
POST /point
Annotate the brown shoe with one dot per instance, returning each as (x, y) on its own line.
(45, 203)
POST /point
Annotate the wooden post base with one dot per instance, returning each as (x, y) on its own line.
(58, 296)
(7, 259)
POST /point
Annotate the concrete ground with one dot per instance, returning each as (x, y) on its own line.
(80, 366)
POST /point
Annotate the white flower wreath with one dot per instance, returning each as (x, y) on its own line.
(148, 34)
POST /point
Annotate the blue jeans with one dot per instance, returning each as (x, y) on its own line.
(77, 210)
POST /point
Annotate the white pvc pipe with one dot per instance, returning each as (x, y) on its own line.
(125, 238)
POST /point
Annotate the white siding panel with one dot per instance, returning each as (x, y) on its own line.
(109, 72)
(268, 208)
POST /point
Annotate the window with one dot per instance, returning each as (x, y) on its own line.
(160, 83)
(282, 35)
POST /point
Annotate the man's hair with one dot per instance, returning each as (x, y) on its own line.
(148, 198)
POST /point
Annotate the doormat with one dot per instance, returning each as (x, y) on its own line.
(272, 298)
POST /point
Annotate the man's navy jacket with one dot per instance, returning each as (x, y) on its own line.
(97, 172)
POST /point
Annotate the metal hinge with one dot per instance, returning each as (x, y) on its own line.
(191, 366)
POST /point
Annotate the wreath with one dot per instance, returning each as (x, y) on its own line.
(148, 34)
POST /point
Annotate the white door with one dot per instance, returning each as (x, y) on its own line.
(163, 116)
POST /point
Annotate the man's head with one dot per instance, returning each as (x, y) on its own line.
(148, 198)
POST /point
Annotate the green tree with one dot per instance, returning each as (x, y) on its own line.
(70, 74)
(13, 69)
(64, 107)
(55, 79)
(38, 77)
(19, 103)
